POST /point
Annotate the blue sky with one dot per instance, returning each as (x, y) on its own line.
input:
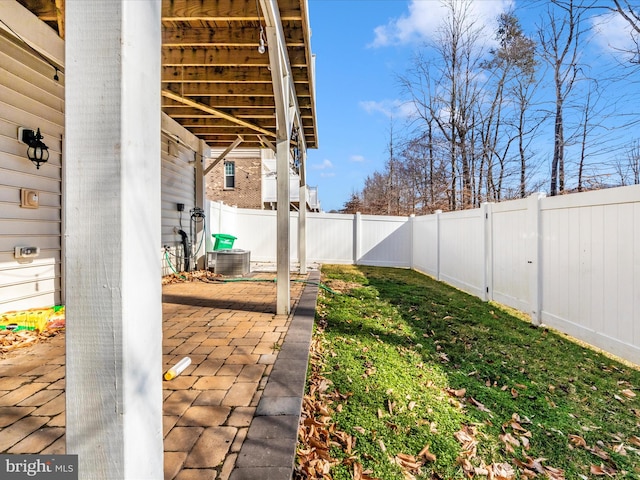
(361, 48)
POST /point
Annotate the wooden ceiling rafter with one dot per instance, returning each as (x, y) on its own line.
(211, 66)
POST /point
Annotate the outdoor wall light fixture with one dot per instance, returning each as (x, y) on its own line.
(37, 151)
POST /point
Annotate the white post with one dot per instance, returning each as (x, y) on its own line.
(200, 232)
(112, 233)
(357, 226)
(487, 222)
(438, 214)
(302, 230)
(283, 289)
(412, 227)
(534, 263)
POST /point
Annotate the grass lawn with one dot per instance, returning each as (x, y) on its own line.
(411, 378)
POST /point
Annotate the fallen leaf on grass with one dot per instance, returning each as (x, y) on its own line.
(503, 471)
(460, 393)
(427, 455)
(479, 405)
(602, 470)
(509, 442)
(628, 393)
(577, 440)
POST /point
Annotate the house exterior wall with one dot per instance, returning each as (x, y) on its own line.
(30, 98)
(247, 192)
(179, 156)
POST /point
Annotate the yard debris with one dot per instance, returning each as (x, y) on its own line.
(13, 340)
(197, 275)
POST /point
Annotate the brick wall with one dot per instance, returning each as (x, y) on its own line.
(248, 183)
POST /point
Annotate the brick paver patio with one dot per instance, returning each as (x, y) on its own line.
(233, 337)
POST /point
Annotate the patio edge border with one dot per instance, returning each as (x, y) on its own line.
(269, 450)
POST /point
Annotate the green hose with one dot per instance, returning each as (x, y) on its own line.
(166, 257)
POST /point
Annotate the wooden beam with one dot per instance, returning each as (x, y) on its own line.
(60, 17)
(267, 142)
(226, 57)
(213, 73)
(228, 89)
(235, 143)
(225, 90)
(219, 10)
(214, 112)
(244, 36)
(38, 35)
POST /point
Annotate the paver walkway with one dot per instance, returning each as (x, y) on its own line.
(232, 414)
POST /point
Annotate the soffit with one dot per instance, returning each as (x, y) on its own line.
(215, 83)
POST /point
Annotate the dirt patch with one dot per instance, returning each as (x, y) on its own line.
(341, 286)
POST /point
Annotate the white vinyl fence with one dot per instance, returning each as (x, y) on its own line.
(571, 262)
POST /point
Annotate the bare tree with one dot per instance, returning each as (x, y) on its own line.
(628, 169)
(560, 40)
(448, 98)
(513, 66)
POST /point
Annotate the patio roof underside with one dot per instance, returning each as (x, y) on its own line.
(215, 82)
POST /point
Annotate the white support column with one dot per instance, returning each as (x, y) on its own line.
(282, 92)
(283, 290)
(112, 234)
(302, 230)
(533, 257)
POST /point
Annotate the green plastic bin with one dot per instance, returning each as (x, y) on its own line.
(223, 241)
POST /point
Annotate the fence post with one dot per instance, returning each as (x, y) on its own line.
(438, 213)
(487, 224)
(534, 260)
(412, 218)
(357, 234)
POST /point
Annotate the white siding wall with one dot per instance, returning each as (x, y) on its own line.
(31, 98)
(179, 154)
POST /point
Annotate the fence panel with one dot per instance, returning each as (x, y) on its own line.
(591, 268)
(424, 248)
(571, 261)
(462, 250)
(330, 238)
(384, 241)
(509, 282)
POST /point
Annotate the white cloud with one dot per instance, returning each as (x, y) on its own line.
(424, 18)
(613, 33)
(327, 175)
(389, 108)
(357, 158)
(326, 164)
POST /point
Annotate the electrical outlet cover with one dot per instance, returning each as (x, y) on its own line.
(29, 198)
